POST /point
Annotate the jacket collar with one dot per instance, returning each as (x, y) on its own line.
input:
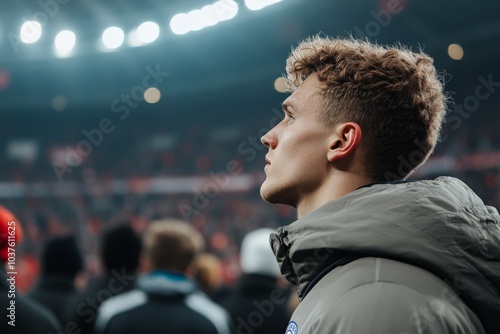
(304, 268)
(166, 284)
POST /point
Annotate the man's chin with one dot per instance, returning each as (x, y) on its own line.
(264, 193)
(275, 196)
(267, 194)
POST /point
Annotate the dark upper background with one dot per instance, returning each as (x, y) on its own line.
(220, 78)
(225, 72)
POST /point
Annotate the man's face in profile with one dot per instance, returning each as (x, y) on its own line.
(296, 164)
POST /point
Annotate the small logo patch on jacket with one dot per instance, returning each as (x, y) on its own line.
(292, 328)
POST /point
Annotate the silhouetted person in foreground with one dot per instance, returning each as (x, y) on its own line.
(18, 314)
(120, 251)
(61, 263)
(166, 299)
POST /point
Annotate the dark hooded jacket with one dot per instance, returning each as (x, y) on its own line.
(162, 303)
(408, 257)
(21, 315)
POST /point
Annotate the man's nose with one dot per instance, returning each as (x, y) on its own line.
(268, 140)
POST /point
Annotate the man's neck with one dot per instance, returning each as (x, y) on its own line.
(331, 190)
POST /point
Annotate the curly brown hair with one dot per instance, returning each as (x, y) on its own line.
(395, 95)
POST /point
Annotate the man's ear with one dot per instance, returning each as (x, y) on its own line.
(346, 138)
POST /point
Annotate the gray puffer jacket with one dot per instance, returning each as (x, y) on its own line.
(408, 257)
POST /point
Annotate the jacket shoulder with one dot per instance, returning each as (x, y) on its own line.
(375, 295)
(117, 305)
(217, 315)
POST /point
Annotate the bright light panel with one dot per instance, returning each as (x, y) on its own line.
(148, 32)
(209, 15)
(259, 4)
(179, 24)
(196, 20)
(113, 37)
(225, 9)
(65, 41)
(31, 31)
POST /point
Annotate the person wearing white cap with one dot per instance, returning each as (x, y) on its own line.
(258, 303)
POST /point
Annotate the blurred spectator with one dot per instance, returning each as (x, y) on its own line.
(19, 313)
(61, 263)
(166, 300)
(208, 274)
(259, 305)
(120, 251)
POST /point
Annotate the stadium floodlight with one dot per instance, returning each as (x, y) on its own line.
(225, 9)
(65, 41)
(209, 15)
(148, 32)
(259, 4)
(179, 24)
(31, 31)
(195, 19)
(113, 37)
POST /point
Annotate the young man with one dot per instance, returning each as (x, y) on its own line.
(370, 252)
(166, 299)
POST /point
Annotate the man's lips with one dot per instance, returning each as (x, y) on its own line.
(268, 164)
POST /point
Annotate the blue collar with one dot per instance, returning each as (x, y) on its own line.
(174, 276)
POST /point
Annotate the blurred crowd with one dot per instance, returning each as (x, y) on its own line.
(223, 223)
(160, 278)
